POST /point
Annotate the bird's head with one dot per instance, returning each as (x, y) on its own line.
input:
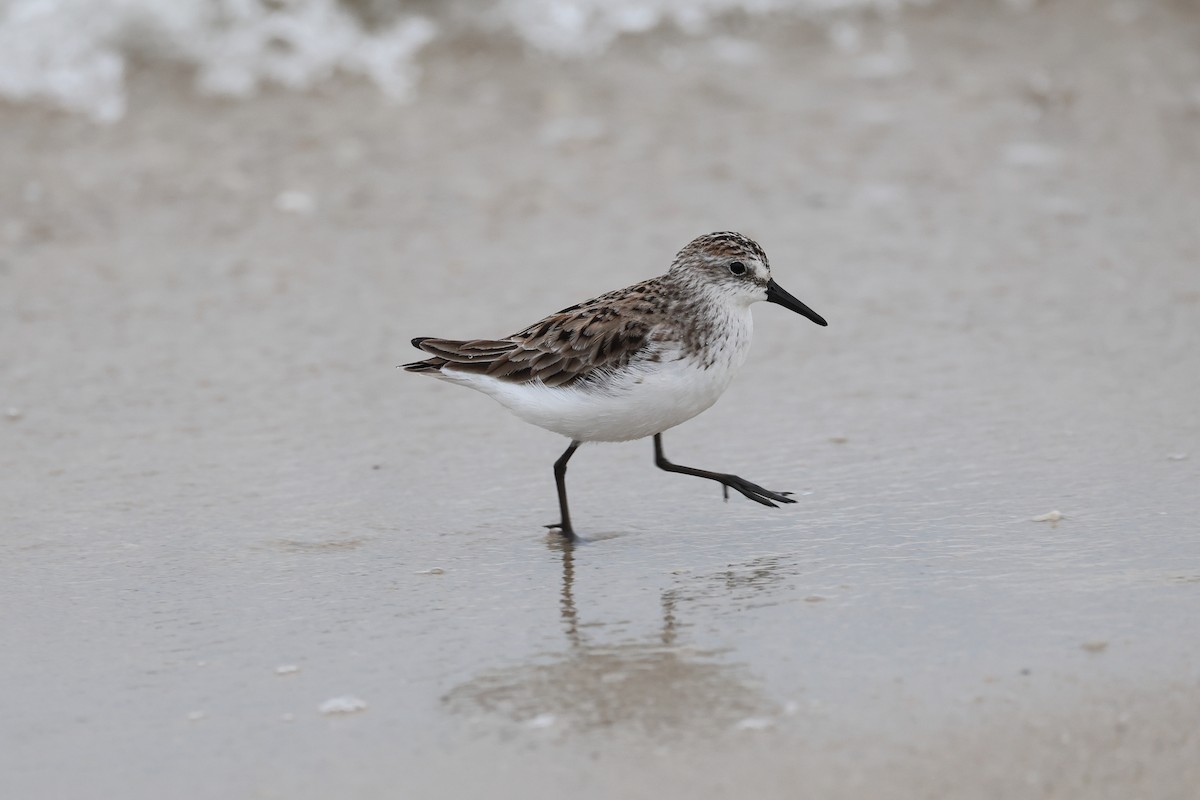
(736, 269)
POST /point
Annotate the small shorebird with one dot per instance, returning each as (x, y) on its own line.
(631, 363)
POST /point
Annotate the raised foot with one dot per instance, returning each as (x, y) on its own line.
(752, 490)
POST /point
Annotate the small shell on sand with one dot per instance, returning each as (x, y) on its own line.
(344, 704)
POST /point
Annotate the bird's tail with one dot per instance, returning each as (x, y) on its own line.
(434, 364)
(428, 365)
(472, 355)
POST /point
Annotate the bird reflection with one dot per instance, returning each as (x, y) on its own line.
(654, 686)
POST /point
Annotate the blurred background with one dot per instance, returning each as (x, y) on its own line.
(77, 54)
(242, 555)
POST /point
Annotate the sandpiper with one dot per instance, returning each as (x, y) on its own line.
(631, 363)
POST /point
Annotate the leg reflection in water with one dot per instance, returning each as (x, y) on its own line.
(656, 684)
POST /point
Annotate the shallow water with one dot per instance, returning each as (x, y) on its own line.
(212, 468)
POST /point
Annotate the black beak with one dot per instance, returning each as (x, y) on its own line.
(776, 294)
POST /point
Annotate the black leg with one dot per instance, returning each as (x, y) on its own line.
(752, 490)
(560, 478)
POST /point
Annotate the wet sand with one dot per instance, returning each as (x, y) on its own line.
(213, 470)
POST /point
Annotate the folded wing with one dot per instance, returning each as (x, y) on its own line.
(577, 345)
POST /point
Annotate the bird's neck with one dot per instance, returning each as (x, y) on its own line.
(715, 329)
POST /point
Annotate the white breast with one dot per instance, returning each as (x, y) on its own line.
(646, 398)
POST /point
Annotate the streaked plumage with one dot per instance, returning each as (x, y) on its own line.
(630, 363)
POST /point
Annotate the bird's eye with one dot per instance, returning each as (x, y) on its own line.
(737, 268)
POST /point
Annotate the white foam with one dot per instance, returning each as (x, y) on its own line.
(74, 53)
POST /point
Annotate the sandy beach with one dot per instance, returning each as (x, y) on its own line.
(244, 556)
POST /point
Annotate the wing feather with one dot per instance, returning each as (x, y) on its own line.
(578, 344)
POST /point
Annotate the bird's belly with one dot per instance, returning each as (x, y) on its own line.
(641, 403)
